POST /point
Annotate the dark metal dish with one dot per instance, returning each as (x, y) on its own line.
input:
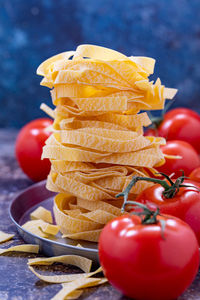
(27, 201)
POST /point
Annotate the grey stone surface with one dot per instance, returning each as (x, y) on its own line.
(16, 281)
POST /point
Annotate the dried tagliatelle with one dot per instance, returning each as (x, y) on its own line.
(97, 144)
(41, 228)
(64, 278)
(29, 248)
(83, 263)
(71, 289)
(71, 282)
(4, 237)
(41, 213)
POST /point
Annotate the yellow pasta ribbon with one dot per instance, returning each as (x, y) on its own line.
(97, 144)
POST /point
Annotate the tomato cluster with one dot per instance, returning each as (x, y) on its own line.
(153, 252)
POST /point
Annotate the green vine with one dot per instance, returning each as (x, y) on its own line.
(170, 188)
(147, 215)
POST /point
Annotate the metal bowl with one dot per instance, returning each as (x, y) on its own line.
(27, 201)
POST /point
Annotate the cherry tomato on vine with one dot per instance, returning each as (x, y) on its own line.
(189, 161)
(176, 200)
(28, 149)
(195, 175)
(144, 264)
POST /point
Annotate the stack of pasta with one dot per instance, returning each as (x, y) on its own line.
(97, 144)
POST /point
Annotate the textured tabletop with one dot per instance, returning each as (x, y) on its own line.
(16, 281)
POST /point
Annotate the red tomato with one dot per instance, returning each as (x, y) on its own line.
(190, 159)
(181, 124)
(184, 205)
(151, 132)
(28, 149)
(142, 264)
(195, 175)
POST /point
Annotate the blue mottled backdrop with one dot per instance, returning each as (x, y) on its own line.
(33, 30)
